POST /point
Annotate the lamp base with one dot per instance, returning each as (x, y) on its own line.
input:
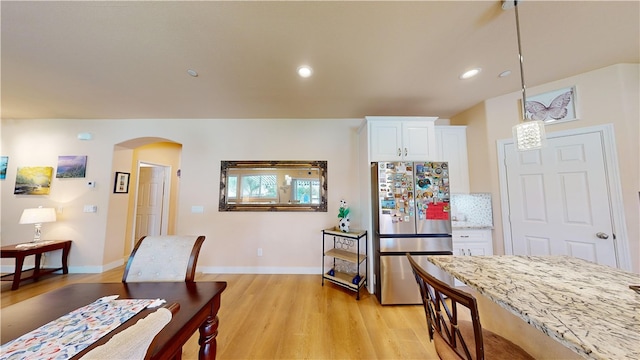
(37, 233)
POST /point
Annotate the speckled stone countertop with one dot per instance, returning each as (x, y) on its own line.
(587, 307)
(469, 225)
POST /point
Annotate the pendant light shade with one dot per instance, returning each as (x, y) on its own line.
(529, 135)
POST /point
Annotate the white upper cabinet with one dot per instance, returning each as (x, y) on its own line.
(397, 138)
(451, 146)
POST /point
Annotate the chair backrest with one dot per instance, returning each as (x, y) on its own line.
(441, 303)
(163, 258)
(135, 341)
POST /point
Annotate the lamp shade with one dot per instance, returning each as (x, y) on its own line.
(38, 215)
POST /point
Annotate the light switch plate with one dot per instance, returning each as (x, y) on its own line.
(197, 209)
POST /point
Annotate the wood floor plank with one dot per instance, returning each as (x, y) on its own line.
(288, 317)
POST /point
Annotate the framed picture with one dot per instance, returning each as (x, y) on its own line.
(33, 180)
(121, 185)
(4, 160)
(552, 107)
(71, 167)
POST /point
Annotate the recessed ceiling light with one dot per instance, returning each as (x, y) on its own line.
(471, 73)
(192, 72)
(305, 71)
(505, 73)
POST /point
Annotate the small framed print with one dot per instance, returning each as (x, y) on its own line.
(552, 107)
(121, 185)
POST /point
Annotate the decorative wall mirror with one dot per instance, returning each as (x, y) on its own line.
(273, 186)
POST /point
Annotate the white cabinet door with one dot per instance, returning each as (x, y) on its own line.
(418, 141)
(451, 146)
(386, 141)
(468, 249)
(472, 242)
(401, 138)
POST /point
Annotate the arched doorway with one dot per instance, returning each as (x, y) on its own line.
(131, 156)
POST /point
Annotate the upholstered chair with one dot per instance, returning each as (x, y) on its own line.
(163, 258)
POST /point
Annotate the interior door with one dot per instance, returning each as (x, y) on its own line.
(559, 200)
(150, 201)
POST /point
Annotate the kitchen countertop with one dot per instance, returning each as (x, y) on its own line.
(587, 307)
(469, 225)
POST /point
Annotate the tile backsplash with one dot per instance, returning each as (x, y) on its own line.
(471, 210)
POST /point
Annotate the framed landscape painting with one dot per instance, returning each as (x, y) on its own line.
(71, 167)
(33, 180)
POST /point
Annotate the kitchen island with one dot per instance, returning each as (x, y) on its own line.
(588, 308)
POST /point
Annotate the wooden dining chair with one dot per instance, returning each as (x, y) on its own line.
(135, 342)
(454, 338)
(163, 258)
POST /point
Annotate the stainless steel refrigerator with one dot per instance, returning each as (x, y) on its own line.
(411, 211)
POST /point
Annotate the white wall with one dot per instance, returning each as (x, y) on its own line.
(291, 242)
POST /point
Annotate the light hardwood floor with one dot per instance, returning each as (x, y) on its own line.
(288, 317)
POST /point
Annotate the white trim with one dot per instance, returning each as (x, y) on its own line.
(72, 269)
(612, 171)
(259, 270)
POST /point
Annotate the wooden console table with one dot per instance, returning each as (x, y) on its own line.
(20, 251)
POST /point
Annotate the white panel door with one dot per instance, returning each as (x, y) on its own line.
(150, 197)
(559, 199)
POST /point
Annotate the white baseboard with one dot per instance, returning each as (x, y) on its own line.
(259, 270)
(72, 269)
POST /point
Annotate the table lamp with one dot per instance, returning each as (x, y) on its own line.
(38, 216)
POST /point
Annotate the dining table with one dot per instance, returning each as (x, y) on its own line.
(199, 304)
(590, 309)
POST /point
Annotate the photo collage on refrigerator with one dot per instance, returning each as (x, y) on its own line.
(414, 190)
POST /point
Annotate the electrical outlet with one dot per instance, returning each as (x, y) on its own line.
(259, 251)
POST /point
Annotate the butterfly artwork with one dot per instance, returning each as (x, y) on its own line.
(560, 107)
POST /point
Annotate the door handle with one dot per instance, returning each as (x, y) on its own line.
(399, 152)
(405, 152)
(602, 235)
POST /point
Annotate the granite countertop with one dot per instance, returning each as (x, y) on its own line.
(469, 225)
(587, 307)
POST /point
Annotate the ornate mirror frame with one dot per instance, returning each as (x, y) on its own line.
(281, 189)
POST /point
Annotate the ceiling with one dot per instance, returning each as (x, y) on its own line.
(125, 59)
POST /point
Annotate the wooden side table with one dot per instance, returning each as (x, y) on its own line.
(20, 251)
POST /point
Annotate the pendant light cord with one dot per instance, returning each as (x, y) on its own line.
(524, 91)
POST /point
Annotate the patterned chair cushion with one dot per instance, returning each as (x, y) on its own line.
(161, 258)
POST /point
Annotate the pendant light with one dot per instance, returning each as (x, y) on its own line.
(529, 134)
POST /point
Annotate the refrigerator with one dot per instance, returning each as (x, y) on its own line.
(411, 214)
